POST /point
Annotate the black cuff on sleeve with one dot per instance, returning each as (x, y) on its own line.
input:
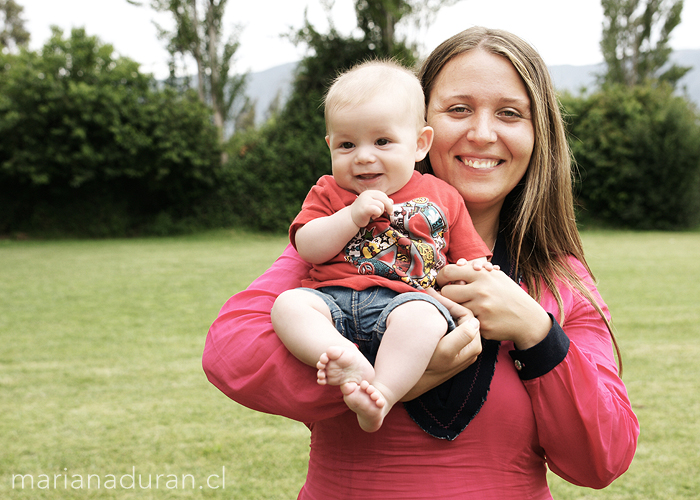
(543, 357)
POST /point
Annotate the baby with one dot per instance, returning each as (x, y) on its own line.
(377, 232)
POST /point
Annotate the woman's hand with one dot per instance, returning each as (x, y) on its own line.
(505, 311)
(455, 351)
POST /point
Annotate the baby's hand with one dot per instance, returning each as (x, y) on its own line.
(369, 205)
(477, 265)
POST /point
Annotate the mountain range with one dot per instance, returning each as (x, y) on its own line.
(264, 86)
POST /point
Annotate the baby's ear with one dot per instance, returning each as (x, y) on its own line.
(425, 140)
(328, 140)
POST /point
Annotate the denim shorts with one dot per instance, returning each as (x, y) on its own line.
(360, 316)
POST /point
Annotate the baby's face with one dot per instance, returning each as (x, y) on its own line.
(374, 145)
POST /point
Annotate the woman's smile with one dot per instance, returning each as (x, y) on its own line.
(480, 163)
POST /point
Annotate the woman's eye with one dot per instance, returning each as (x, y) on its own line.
(459, 109)
(510, 113)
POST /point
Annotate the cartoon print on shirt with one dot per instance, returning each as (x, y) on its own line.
(398, 252)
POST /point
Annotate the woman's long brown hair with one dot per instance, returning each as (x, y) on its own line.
(538, 216)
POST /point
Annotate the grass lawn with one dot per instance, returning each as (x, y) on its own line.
(101, 379)
(651, 282)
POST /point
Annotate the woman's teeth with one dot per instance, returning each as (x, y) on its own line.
(480, 163)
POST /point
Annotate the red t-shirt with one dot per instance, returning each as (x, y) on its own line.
(430, 226)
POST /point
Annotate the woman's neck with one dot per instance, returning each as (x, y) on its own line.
(486, 224)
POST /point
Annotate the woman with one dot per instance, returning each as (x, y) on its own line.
(540, 395)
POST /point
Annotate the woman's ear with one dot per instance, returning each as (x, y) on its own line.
(425, 140)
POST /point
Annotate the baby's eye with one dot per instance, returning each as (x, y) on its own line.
(382, 142)
(347, 145)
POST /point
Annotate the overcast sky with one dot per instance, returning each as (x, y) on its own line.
(564, 31)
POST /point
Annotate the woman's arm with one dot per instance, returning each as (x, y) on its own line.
(245, 359)
(584, 417)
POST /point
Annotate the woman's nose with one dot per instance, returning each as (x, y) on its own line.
(481, 129)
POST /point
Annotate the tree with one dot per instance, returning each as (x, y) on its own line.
(245, 118)
(635, 40)
(198, 33)
(272, 169)
(13, 32)
(378, 18)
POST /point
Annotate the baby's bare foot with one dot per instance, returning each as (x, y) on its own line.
(340, 365)
(367, 402)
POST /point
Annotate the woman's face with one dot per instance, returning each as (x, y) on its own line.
(484, 137)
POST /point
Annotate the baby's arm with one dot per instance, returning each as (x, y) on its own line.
(322, 239)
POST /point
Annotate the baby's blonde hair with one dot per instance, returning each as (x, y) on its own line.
(365, 80)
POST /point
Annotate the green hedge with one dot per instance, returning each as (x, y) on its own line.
(638, 155)
(89, 145)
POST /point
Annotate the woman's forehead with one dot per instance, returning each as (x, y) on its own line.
(475, 74)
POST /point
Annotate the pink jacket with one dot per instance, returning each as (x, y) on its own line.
(575, 420)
